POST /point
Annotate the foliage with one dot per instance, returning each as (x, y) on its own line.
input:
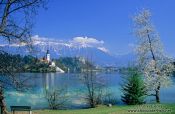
(32, 64)
(133, 88)
(17, 29)
(56, 98)
(152, 61)
(93, 86)
(109, 98)
(10, 62)
(28, 63)
(17, 63)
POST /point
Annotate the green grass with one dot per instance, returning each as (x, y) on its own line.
(166, 108)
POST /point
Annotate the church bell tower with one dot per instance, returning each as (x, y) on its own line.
(48, 56)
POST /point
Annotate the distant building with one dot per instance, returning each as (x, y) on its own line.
(47, 59)
(52, 64)
(82, 59)
(48, 56)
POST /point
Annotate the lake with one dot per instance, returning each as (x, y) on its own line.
(35, 96)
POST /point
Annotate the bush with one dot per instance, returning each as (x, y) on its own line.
(56, 98)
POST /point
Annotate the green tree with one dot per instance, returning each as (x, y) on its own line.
(133, 88)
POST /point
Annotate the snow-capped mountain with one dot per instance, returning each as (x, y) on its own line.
(90, 48)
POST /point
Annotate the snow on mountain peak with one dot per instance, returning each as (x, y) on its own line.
(76, 42)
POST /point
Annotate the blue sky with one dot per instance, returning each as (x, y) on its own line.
(106, 20)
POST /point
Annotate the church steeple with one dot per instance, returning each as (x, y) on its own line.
(47, 52)
(48, 56)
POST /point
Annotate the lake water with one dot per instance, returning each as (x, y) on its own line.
(35, 96)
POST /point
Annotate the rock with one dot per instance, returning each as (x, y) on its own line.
(109, 105)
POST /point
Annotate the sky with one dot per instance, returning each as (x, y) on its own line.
(107, 21)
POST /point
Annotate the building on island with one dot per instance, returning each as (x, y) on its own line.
(47, 59)
(48, 56)
(82, 59)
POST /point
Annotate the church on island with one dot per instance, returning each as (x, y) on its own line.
(47, 59)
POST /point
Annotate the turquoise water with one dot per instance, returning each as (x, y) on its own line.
(35, 96)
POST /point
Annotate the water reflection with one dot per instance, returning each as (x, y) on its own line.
(48, 80)
(41, 81)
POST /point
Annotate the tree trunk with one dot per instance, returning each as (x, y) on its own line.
(2, 103)
(158, 94)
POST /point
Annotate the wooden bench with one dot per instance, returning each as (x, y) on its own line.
(21, 108)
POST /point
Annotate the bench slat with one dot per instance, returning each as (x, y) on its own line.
(20, 108)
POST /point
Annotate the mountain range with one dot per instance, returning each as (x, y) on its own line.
(88, 48)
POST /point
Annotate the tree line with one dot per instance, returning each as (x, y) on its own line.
(17, 63)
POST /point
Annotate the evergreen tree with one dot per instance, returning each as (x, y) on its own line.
(133, 88)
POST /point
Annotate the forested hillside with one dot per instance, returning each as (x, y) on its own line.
(28, 63)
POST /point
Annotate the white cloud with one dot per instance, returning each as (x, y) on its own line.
(83, 42)
(3, 44)
(76, 42)
(37, 40)
(86, 40)
(103, 49)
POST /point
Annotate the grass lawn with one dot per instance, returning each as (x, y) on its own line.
(140, 109)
